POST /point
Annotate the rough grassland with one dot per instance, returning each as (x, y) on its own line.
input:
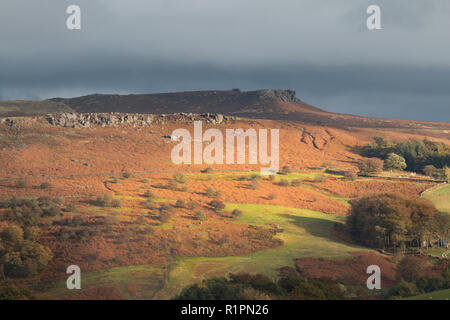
(306, 234)
(145, 278)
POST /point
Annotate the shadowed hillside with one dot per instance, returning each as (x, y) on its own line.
(261, 104)
(21, 108)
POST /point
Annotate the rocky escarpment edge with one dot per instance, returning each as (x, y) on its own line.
(86, 120)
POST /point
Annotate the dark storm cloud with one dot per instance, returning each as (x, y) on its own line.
(322, 49)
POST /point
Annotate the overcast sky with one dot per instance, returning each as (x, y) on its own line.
(320, 48)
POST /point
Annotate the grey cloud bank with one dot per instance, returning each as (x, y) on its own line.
(320, 48)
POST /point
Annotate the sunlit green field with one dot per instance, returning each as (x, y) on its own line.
(440, 197)
(435, 295)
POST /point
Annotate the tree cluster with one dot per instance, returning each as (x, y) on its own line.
(20, 255)
(391, 221)
(370, 166)
(417, 154)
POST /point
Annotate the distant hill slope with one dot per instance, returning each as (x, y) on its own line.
(19, 108)
(233, 102)
(260, 104)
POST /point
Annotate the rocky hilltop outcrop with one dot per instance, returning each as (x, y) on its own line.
(86, 120)
(281, 95)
